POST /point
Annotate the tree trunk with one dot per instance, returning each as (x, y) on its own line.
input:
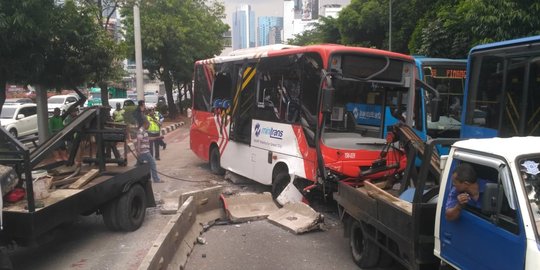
(104, 93)
(168, 91)
(180, 90)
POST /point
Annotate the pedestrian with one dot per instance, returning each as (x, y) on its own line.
(142, 147)
(138, 114)
(154, 133)
(118, 114)
(159, 117)
(56, 124)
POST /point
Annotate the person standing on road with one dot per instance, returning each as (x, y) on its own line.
(56, 124)
(154, 133)
(142, 147)
(118, 114)
(159, 117)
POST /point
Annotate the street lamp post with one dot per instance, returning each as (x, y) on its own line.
(138, 52)
(390, 25)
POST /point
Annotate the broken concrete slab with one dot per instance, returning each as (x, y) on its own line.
(236, 178)
(296, 217)
(290, 194)
(249, 206)
(170, 206)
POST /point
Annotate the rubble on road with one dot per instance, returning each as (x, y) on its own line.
(249, 206)
(297, 218)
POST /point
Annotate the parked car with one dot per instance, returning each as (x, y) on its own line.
(122, 101)
(19, 100)
(60, 101)
(19, 119)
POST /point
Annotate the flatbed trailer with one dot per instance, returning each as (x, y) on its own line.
(119, 192)
(383, 226)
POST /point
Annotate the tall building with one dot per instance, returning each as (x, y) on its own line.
(267, 25)
(331, 10)
(243, 28)
(298, 16)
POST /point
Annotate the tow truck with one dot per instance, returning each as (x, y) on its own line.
(405, 221)
(120, 193)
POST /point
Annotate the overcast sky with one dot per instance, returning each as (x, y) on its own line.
(267, 7)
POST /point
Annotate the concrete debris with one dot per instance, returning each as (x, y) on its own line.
(296, 217)
(201, 240)
(290, 194)
(235, 178)
(170, 206)
(249, 206)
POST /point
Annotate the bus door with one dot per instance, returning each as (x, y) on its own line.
(238, 152)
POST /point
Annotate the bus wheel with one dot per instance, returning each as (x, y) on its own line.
(280, 181)
(131, 209)
(215, 162)
(364, 252)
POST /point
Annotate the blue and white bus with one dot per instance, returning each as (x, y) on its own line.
(447, 76)
(503, 90)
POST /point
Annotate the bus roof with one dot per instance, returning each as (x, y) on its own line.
(505, 43)
(324, 49)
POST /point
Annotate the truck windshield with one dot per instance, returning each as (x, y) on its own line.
(530, 176)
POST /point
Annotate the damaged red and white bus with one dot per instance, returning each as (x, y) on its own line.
(299, 118)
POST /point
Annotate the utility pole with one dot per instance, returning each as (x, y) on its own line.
(390, 25)
(138, 52)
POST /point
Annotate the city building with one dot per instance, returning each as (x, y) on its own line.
(269, 30)
(330, 10)
(243, 28)
(298, 16)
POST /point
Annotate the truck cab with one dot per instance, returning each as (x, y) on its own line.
(504, 232)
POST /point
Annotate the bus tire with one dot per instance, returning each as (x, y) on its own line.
(131, 209)
(280, 181)
(109, 215)
(215, 162)
(364, 252)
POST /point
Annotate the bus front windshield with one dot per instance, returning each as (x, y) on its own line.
(449, 81)
(504, 93)
(370, 95)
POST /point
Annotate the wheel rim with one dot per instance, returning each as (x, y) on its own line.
(13, 133)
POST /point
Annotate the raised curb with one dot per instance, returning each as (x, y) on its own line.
(171, 127)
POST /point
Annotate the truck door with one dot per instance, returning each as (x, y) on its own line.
(481, 241)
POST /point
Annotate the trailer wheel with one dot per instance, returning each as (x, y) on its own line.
(364, 252)
(109, 216)
(131, 209)
(215, 162)
(280, 181)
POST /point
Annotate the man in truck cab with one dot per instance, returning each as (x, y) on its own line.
(466, 189)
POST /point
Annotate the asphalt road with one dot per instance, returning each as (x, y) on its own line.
(87, 244)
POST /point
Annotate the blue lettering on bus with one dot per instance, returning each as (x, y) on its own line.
(270, 132)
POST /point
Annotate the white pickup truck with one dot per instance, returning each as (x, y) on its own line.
(407, 223)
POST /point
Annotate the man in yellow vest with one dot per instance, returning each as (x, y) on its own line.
(153, 131)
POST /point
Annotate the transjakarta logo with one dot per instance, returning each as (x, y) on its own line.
(271, 132)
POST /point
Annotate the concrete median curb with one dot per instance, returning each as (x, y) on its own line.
(177, 239)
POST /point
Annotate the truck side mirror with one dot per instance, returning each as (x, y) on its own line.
(489, 198)
(328, 99)
(435, 113)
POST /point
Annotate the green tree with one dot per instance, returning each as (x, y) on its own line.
(456, 27)
(108, 66)
(174, 35)
(25, 28)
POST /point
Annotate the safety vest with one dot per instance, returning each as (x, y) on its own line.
(154, 126)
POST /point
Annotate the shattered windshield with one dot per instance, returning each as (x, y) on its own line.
(530, 176)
